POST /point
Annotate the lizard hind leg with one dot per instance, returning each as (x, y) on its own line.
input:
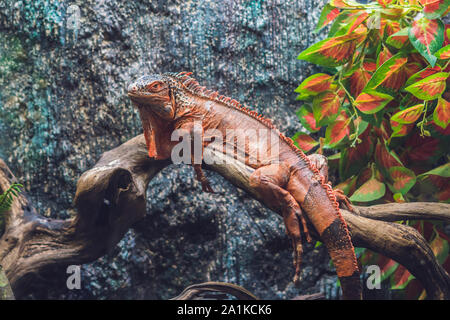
(321, 164)
(269, 181)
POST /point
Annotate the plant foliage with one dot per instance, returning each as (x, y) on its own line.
(6, 200)
(382, 104)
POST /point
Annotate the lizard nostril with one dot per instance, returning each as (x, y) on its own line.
(132, 88)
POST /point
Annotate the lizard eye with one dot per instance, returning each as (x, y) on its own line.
(156, 86)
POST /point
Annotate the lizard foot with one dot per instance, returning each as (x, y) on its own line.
(342, 198)
(206, 187)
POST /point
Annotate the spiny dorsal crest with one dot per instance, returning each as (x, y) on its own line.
(185, 81)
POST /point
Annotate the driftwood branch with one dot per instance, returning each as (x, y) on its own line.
(110, 198)
(407, 211)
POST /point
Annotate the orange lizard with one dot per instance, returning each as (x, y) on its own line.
(287, 179)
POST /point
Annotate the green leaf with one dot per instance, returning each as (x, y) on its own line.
(306, 118)
(409, 115)
(442, 171)
(304, 141)
(369, 191)
(347, 185)
(398, 197)
(340, 25)
(427, 36)
(422, 74)
(333, 52)
(329, 13)
(315, 84)
(441, 114)
(443, 53)
(398, 39)
(403, 179)
(7, 198)
(434, 9)
(337, 130)
(440, 248)
(326, 106)
(390, 76)
(371, 101)
(429, 88)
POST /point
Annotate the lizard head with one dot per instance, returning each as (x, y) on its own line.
(153, 93)
(153, 96)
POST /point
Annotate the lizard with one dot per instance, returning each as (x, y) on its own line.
(295, 184)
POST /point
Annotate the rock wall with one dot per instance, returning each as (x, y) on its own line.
(64, 67)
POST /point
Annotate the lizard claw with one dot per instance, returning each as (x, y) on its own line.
(296, 280)
(206, 187)
(341, 197)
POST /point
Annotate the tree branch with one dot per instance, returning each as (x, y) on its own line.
(110, 198)
(407, 211)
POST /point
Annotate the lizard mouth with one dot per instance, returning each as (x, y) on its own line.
(146, 98)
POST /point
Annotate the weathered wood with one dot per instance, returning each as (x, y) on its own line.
(110, 198)
(407, 211)
(5, 289)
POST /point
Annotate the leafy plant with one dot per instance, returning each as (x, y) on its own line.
(6, 200)
(381, 103)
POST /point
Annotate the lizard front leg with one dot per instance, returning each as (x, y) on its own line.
(269, 180)
(196, 134)
(321, 164)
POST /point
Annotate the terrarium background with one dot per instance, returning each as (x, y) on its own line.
(63, 103)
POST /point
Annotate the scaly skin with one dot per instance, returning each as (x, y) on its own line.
(287, 179)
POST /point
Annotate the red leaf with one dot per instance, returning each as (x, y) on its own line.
(429, 88)
(358, 81)
(441, 114)
(391, 74)
(444, 132)
(315, 84)
(404, 179)
(425, 33)
(384, 158)
(357, 21)
(369, 65)
(384, 3)
(422, 74)
(384, 56)
(427, 37)
(434, 8)
(401, 277)
(337, 130)
(332, 52)
(305, 142)
(389, 27)
(329, 13)
(419, 148)
(372, 101)
(327, 104)
(409, 115)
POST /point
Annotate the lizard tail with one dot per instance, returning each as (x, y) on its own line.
(321, 211)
